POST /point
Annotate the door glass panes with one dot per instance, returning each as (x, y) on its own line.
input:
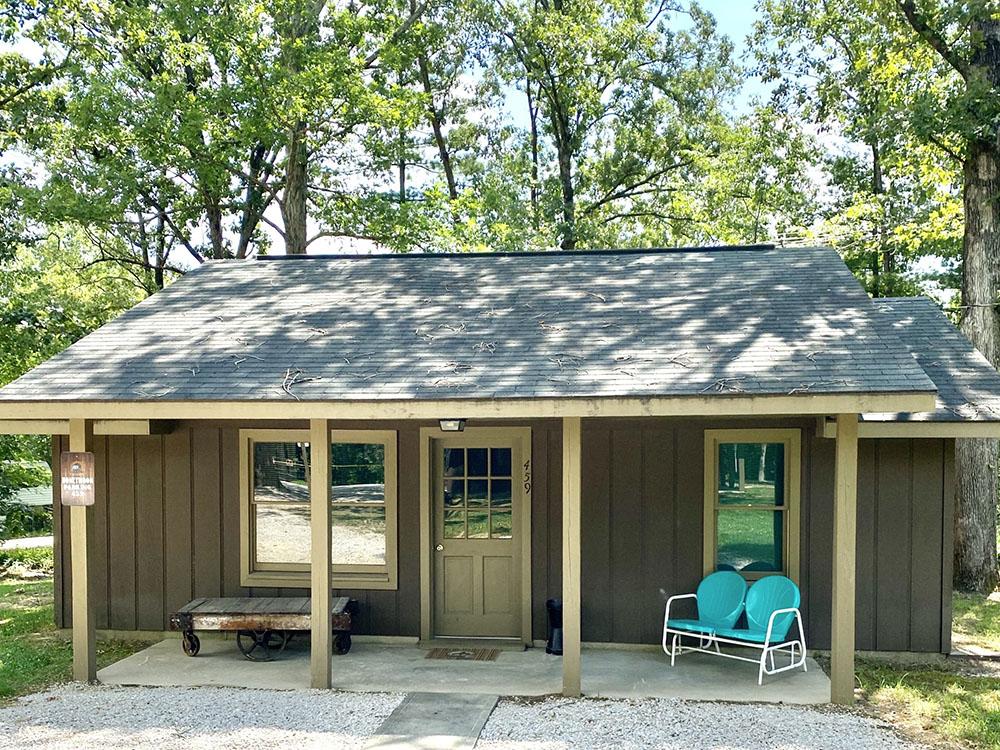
(477, 493)
(750, 507)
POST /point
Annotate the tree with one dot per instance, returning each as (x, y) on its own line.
(628, 97)
(51, 294)
(960, 113)
(892, 200)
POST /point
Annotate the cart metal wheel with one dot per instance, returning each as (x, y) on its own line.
(261, 645)
(342, 643)
(190, 643)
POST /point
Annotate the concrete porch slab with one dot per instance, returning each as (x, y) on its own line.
(369, 667)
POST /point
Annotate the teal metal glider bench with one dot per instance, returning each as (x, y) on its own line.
(770, 606)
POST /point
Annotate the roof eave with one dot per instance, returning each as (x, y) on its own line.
(735, 404)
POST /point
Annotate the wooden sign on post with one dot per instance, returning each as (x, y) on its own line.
(77, 473)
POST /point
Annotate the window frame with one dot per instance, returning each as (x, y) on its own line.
(297, 575)
(791, 438)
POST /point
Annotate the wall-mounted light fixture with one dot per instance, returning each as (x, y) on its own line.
(452, 425)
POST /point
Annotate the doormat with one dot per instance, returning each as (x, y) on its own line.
(464, 654)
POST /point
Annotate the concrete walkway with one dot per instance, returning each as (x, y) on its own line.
(434, 721)
(369, 667)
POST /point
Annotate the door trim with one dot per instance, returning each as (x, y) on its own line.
(427, 437)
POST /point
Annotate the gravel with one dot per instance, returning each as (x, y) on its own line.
(108, 718)
(558, 723)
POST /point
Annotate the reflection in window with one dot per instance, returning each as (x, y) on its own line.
(750, 504)
(477, 493)
(357, 471)
(280, 504)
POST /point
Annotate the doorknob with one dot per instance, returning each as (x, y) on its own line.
(440, 548)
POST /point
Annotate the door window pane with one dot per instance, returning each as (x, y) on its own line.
(477, 466)
(454, 524)
(454, 462)
(500, 462)
(751, 474)
(500, 493)
(454, 492)
(478, 493)
(479, 524)
(749, 540)
(500, 525)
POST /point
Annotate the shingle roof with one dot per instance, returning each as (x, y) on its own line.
(968, 386)
(587, 324)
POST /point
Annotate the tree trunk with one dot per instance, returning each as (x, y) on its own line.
(293, 207)
(533, 115)
(976, 460)
(568, 198)
(436, 117)
(880, 267)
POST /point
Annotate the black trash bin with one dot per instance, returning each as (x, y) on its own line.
(555, 641)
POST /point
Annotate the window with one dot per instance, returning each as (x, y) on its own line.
(751, 501)
(276, 508)
(477, 493)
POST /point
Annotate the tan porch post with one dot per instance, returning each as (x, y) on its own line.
(571, 481)
(321, 622)
(845, 518)
(81, 438)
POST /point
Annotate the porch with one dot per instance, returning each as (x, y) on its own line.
(377, 667)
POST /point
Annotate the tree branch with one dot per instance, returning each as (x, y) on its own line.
(930, 35)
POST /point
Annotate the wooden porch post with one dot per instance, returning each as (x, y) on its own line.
(845, 520)
(81, 438)
(321, 622)
(571, 481)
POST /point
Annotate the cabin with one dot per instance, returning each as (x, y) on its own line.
(453, 440)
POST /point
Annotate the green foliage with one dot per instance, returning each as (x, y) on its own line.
(32, 561)
(50, 296)
(849, 67)
(976, 621)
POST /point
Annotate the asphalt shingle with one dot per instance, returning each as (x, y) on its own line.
(594, 324)
(968, 385)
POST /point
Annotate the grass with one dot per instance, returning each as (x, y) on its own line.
(33, 654)
(976, 621)
(952, 703)
(934, 700)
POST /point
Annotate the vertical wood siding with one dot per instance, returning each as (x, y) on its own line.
(167, 530)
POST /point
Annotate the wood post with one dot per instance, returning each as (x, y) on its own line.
(571, 484)
(81, 525)
(845, 521)
(321, 622)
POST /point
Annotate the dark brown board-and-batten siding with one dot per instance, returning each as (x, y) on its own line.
(166, 529)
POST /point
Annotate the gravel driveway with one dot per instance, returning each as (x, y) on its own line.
(109, 718)
(167, 718)
(558, 724)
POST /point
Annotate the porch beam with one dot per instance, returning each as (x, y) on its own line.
(81, 529)
(845, 521)
(321, 563)
(571, 519)
(101, 426)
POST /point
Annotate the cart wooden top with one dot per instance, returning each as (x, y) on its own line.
(257, 605)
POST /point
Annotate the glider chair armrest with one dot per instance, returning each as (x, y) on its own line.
(770, 623)
(671, 600)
